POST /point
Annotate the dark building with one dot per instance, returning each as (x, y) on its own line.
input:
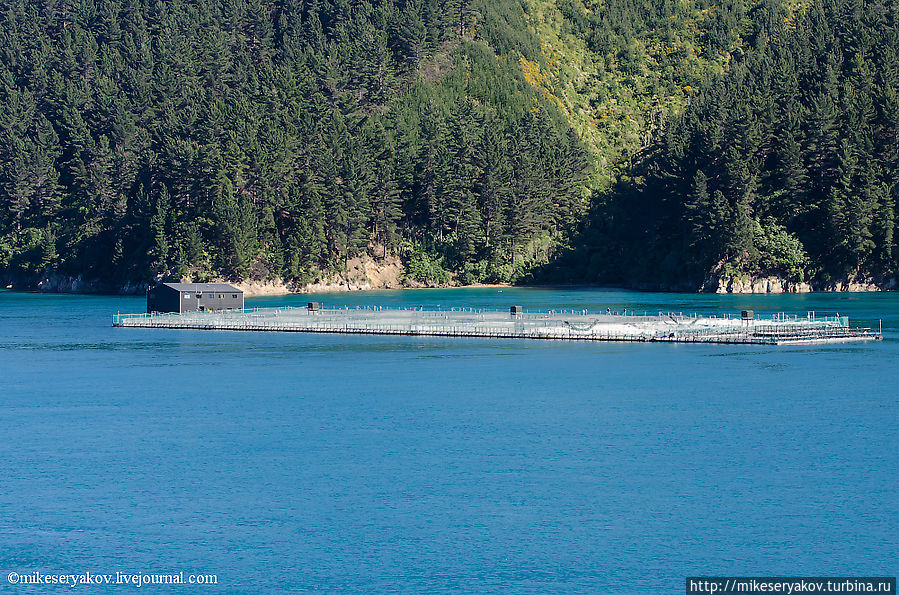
(193, 297)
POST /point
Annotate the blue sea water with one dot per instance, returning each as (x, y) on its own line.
(326, 463)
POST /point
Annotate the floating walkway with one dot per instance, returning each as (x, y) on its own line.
(577, 325)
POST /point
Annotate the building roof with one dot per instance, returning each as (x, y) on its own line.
(201, 287)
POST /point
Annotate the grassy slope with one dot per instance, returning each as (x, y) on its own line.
(615, 107)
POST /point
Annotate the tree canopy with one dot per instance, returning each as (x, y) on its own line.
(627, 141)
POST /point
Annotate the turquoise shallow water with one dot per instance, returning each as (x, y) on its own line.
(362, 464)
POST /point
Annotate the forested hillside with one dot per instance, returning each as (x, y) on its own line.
(784, 163)
(617, 141)
(265, 139)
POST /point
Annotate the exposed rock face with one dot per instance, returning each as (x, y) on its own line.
(56, 283)
(769, 284)
(363, 273)
(775, 284)
(854, 284)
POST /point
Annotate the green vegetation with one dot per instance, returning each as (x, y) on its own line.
(260, 139)
(785, 163)
(618, 69)
(640, 142)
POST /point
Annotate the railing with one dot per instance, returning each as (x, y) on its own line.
(423, 311)
(470, 322)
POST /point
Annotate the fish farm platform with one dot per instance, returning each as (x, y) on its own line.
(576, 325)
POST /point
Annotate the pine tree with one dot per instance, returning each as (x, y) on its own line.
(158, 228)
(494, 186)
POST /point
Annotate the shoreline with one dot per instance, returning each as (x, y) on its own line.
(253, 289)
(369, 276)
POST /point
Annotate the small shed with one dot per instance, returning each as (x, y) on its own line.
(193, 297)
